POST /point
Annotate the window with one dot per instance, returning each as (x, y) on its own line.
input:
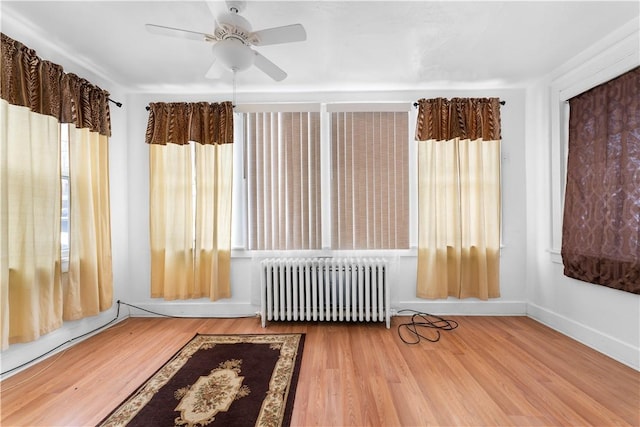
(283, 182)
(65, 196)
(317, 180)
(601, 226)
(369, 175)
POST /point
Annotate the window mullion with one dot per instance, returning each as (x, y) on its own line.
(325, 177)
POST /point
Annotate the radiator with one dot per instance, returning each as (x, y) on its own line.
(325, 289)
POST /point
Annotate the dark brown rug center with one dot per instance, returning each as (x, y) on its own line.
(219, 380)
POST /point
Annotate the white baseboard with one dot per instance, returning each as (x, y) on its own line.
(612, 347)
(190, 309)
(464, 308)
(605, 344)
(19, 357)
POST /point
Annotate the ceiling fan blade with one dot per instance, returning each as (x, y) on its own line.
(269, 68)
(177, 32)
(277, 35)
(217, 7)
(216, 71)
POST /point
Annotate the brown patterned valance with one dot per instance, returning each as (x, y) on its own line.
(181, 122)
(467, 118)
(45, 88)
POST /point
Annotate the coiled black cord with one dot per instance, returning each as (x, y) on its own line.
(424, 321)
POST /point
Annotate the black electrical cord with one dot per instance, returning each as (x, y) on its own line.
(149, 311)
(173, 316)
(96, 330)
(65, 343)
(424, 321)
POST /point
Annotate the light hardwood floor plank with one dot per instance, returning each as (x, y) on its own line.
(491, 371)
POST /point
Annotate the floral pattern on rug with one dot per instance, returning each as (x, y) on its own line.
(201, 401)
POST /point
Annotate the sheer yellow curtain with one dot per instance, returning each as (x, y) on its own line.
(88, 284)
(190, 236)
(214, 172)
(29, 216)
(171, 222)
(458, 198)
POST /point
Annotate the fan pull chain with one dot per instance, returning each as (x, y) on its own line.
(233, 100)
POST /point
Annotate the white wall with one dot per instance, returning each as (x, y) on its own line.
(244, 268)
(603, 318)
(531, 282)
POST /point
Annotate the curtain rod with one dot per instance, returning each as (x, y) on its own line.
(118, 104)
(415, 104)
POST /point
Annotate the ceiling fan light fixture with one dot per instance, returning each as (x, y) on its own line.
(234, 54)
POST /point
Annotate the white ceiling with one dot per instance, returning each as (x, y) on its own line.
(351, 45)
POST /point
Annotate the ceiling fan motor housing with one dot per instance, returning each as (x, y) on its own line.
(232, 25)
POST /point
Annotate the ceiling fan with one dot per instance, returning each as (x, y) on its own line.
(233, 37)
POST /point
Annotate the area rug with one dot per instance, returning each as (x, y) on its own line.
(219, 380)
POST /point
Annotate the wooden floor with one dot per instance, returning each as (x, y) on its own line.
(491, 371)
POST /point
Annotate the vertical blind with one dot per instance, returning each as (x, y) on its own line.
(283, 180)
(369, 194)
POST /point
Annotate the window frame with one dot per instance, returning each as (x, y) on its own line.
(64, 176)
(612, 60)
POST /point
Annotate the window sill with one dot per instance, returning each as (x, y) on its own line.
(555, 256)
(239, 253)
(244, 253)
